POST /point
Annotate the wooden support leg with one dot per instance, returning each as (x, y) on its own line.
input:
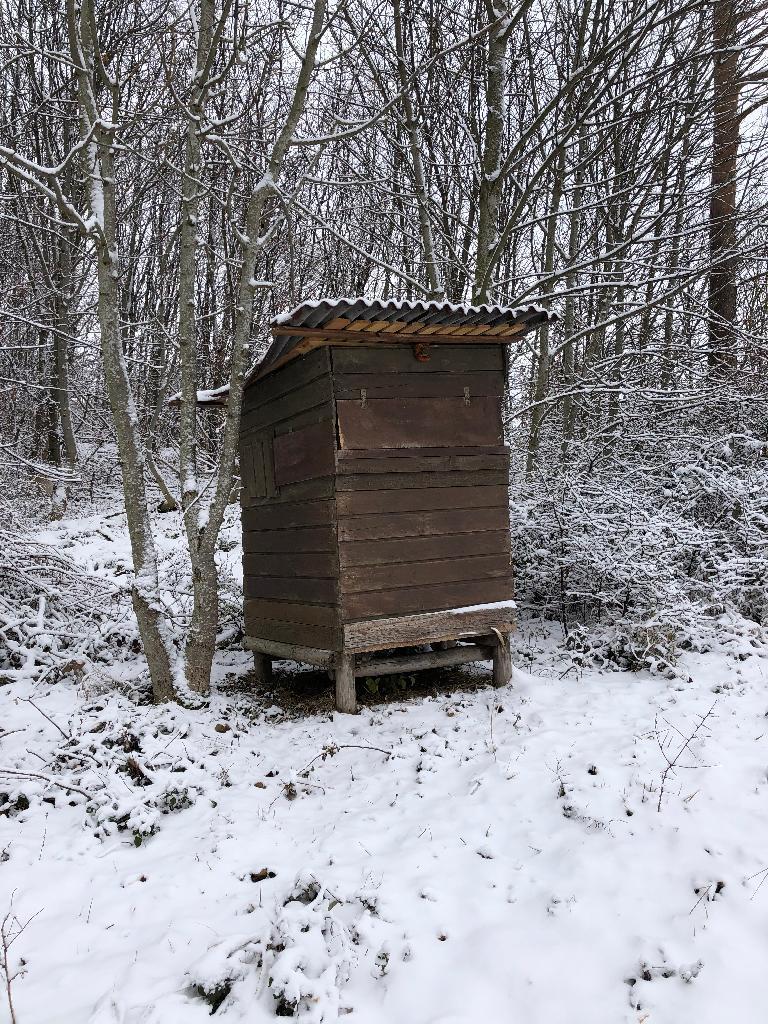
(502, 662)
(262, 665)
(346, 699)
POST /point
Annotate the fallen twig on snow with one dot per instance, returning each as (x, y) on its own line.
(45, 778)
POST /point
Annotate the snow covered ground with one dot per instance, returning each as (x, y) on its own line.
(461, 857)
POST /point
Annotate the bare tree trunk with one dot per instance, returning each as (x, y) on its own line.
(722, 205)
(542, 362)
(491, 183)
(434, 277)
(201, 642)
(569, 317)
(101, 186)
(62, 330)
(199, 647)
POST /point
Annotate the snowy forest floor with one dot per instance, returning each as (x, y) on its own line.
(456, 855)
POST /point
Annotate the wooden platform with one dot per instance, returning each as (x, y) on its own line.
(458, 636)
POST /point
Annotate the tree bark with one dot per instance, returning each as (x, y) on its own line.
(201, 642)
(101, 187)
(489, 198)
(542, 362)
(434, 277)
(723, 271)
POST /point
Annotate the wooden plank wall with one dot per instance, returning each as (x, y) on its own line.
(290, 549)
(422, 479)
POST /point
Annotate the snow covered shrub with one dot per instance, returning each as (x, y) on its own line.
(633, 558)
(300, 961)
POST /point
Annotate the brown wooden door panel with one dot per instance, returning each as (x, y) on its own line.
(419, 422)
(304, 454)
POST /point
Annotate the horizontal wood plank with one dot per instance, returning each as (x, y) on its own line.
(400, 359)
(301, 633)
(390, 464)
(289, 514)
(288, 651)
(418, 662)
(424, 599)
(458, 479)
(355, 455)
(303, 491)
(321, 565)
(288, 611)
(423, 524)
(418, 385)
(419, 422)
(308, 538)
(291, 588)
(413, 549)
(416, 498)
(359, 333)
(359, 579)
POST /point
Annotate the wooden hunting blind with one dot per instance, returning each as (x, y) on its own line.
(375, 488)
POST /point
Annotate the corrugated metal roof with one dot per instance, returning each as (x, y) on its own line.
(416, 315)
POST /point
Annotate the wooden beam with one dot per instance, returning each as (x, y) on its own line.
(427, 627)
(344, 672)
(402, 337)
(262, 666)
(290, 652)
(428, 659)
(502, 662)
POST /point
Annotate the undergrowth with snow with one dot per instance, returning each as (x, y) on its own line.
(586, 845)
(586, 848)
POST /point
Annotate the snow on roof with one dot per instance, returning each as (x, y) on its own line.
(437, 311)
